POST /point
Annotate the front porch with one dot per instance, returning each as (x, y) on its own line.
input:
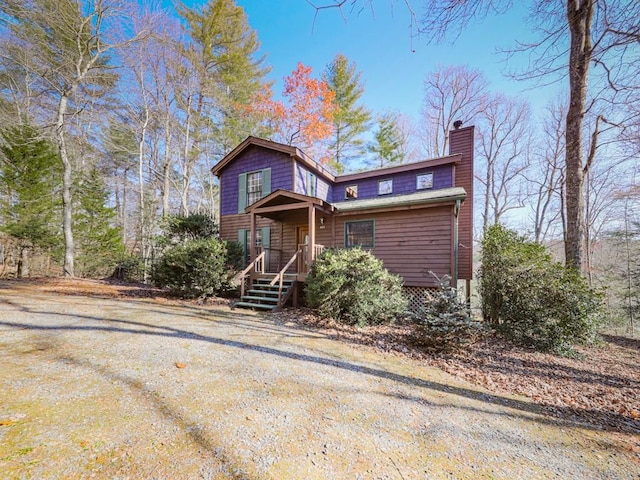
(273, 275)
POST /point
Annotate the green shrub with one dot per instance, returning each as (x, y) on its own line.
(235, 256)
(444, 322)
(194, 269)
(195, 226)
(128, 269)
(351, 286)
(531, 299)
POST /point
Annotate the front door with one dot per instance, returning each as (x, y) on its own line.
(303, 242)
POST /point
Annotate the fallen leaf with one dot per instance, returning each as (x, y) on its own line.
(180, 365)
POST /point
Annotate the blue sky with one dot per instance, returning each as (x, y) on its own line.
(393, 65)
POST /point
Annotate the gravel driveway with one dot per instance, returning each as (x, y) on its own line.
(143, 389)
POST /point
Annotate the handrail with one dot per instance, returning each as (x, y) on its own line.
(258, 262)
(280, 276)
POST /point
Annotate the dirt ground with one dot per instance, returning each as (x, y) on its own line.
(103, 381)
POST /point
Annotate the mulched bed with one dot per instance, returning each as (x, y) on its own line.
(601, 387)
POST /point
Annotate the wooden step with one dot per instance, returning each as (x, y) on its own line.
(261, 306)
(260, 299)
(264, 292)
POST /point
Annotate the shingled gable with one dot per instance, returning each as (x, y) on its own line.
(294, 152)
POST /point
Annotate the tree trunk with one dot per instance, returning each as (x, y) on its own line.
(23, 263)
(580, 15)
(67, 180)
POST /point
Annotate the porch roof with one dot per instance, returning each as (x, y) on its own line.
(443, 195)
(281, 201)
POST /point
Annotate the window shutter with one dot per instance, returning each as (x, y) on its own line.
(266, 182)
(266, 243)
(242, 192)
(266, 237)
(242, 239)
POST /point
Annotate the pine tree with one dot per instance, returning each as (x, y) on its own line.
(387, 146)
(99, 243)
(350, 120)
(223, 51)
(30, 173)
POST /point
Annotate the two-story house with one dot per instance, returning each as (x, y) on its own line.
(284, 208)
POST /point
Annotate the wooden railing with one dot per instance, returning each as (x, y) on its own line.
(303, 266)
(279, 278)
(273, 260)
(257, 265)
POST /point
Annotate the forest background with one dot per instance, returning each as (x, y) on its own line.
(113, 113)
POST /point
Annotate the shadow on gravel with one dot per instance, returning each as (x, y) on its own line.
(140, 328)
(191, 429)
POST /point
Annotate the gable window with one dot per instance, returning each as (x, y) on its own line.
(424, 181)
(253, 186)
(311, 184)
(359, 234)
(385, 187)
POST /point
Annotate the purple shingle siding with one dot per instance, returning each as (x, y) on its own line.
(254, 158)
(323, 188)
(258, 158)
(403, 183)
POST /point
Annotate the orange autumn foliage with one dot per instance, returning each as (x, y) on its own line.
(307, 116)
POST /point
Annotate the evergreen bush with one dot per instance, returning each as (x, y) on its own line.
(351, 286)
(195, 263)
(194, 269)
(533, 300)
(444, 322)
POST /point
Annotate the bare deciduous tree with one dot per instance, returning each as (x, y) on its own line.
(503, 152)
(450, 93)
(544, 179)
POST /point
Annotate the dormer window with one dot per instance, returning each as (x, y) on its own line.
(351, 192)
(424, 181)
(385, 187)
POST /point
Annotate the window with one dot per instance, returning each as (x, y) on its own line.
(359, 234)
(254, 187)
(424, 181)
(311, 184)
(351, 192)
(385, 187)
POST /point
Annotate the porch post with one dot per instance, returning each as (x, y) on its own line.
(252, 238)
(312, 232)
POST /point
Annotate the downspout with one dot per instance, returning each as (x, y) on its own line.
(456, 211)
